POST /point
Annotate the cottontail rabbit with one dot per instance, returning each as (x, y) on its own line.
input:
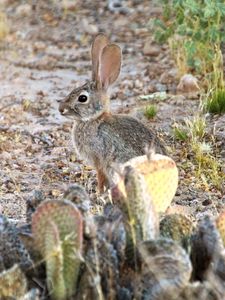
(100, 137)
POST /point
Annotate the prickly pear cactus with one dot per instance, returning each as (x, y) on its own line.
(178, 228)
(220, 224)
(13, 283)
(58, 229)
(77, 195)
(161, 176)
(138, 207)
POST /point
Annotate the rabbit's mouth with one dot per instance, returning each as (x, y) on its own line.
(69, 113)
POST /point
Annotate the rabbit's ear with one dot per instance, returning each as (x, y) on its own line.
(98, 44)
(110, 64)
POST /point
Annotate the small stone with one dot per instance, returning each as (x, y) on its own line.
(23, 10)
(150, 49)
(188, 84)
(207, 202)
(168, 77)
(39, 45)
(138, 83)
(89, 28)
(69, 5)
(161, 87)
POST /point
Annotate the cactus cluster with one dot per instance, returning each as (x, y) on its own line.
(124, 253)
(58, 233)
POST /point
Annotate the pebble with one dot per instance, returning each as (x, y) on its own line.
(150, 49)
(138, 83)
(168, 77)
(39, 45)
(89, 28)
(207, 202)
(188, 84)
(161, 87)
(23, 10)
(69, 5)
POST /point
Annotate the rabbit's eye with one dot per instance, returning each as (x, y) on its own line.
(83, 97)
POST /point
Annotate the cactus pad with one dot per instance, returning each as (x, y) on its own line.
(161, 177)
(58, 232)
(178, 228)
(138, 205)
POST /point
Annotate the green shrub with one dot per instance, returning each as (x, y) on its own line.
(215, 103)
(150, 111)
(195, 31)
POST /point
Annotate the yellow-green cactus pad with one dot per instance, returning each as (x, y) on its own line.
(161, 176)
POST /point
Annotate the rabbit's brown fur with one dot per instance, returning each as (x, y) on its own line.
(102, 138)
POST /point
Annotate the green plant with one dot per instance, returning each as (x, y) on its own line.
(194, 30)
(215, 102)
(58, 230)
(196, 127)
(150, 111)
(180, 132)
(200, 145)
(207, 166)
(193, 129)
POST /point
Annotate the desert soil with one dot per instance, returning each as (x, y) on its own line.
(45, 54)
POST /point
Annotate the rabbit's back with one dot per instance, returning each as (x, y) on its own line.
(113, 138)
(132, 134)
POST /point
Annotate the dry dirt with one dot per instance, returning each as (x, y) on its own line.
(43, 57)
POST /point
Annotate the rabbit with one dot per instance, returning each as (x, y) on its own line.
(101, 138)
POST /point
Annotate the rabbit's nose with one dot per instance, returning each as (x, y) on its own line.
(62, 109)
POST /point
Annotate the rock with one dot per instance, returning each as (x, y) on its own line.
(151, 50)
(69, 5)
(39, 46)
(116, 6)
(161, 87)
(23, 10)
(89, 28)
(168, 77)
(138, 84)
(188, 84)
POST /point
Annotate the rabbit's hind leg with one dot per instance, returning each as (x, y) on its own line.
(102, 181)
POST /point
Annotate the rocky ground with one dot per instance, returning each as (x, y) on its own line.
(45, 54)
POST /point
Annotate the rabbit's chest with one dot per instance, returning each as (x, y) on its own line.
(85, 141)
